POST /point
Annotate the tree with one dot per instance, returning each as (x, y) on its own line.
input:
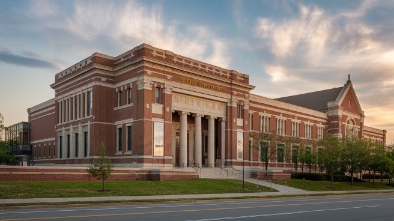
(100, 168)
(355, 151)
(330, 155)
(1, 126)
(265, 144)
(5, 155)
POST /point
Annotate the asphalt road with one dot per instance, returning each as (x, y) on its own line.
(338, 208)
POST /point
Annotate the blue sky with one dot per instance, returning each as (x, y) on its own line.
(287, 47)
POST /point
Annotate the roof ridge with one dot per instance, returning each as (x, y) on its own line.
(310, 92)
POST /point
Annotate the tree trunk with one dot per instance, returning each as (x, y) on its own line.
(351, 177)
(373, 179)
(103, 184)
(332, 179)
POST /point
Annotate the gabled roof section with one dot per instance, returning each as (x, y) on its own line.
(314, 100)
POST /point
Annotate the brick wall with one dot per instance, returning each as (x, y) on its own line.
(59, 174)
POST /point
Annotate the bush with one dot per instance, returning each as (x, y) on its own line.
(377, 176)
(323, 177)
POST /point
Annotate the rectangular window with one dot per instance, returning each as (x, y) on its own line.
(294, 155)
(76, 144)
(49, 150)
(120, 98)
(54, 150)
(280, 154)
(128, 95)
(60, 113)
(85, 144)
(90, 103)
(308, 131)
(240, 111)
(60, 147)
(251, 121)
(295, 128)
(75, 107)
(80, 106)
(320, 132)
(68, 146)
(43, 154)
(128, 138)
(158, 95)
(120, 139)
(281, 127)
(250, 149)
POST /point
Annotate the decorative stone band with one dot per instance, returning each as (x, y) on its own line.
(198, 105)
(201, 84)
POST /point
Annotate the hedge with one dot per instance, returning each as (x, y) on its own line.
(323, 177)
(377, 176)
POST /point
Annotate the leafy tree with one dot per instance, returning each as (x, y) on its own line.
(5, 155)
(1, 126)
(330, 155)
(355, 151)
(295, 152)
(265, 144)
(100, 168)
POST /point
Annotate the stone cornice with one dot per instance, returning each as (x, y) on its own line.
(46, 104)
(286, 106)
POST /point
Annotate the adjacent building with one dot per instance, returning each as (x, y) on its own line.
(18, 138)
(152, 108)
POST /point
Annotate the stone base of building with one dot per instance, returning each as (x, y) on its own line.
(272, 175)
(70, 174)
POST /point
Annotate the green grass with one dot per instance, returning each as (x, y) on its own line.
(338, 186)
(19, 190)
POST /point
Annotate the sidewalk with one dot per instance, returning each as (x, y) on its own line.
(283, 191)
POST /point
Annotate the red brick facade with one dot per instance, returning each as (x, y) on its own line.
(198, 112)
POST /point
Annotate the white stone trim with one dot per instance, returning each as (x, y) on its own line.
(284, 105)
(44, 104)
(42, 140)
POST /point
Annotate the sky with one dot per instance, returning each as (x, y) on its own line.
(287, 47)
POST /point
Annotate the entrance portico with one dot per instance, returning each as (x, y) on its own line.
(199, 123)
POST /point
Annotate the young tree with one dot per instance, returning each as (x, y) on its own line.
(5, 155)
(1, 126)
(330, 155)
(265, 144)
(355, 151)
(100, 168)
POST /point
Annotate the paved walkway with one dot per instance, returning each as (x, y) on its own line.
(282, 191)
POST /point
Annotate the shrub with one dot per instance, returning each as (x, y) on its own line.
(323, 177)
(377, 176)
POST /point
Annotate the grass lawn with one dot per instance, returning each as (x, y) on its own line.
(18, 190)
(338, 186)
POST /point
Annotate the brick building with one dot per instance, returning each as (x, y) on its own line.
(153, 108)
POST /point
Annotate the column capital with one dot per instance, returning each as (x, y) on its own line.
(210, 117)
(222, 119)
(197, 115)
(183, 112)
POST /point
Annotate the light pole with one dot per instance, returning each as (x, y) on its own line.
(243, 171)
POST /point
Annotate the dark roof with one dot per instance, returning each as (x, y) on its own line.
(314, 100)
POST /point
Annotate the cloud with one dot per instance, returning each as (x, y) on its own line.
(117, 26)
(312, 49)
(10, 58)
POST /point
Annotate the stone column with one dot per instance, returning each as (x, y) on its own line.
(223, 140)
(211, 141)
(64, 143)
(72, 142)
(80, 144)
(183, 140)
(89, 136)
(197, 140)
